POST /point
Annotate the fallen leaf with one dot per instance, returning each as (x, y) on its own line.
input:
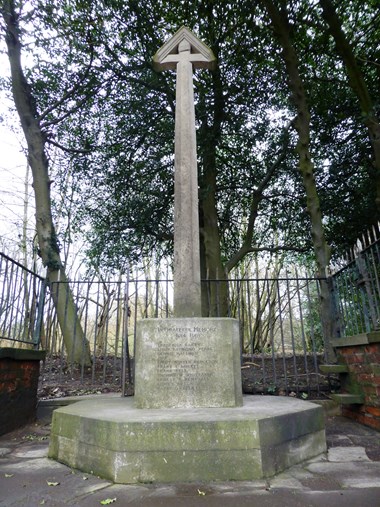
(85, 478)
(107, 501)
(202, 493)
(8, 475)
(52, 483)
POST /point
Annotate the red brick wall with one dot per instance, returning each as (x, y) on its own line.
(363, 363)
(18, 392)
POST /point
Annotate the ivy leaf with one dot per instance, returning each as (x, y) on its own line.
(107, 501)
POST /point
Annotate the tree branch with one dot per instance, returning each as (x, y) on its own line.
(68, 112)
(66, 96)
(69, 150)
(257, 197)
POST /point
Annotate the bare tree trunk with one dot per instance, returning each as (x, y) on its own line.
(358, 84)
(306, 167)
(75, 342)
(102, 324)
(215, 293)
(77, 346)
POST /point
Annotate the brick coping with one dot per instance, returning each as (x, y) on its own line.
(359, 339)
(22, 354)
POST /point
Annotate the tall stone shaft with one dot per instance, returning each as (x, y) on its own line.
(187, 278)
(183, 52)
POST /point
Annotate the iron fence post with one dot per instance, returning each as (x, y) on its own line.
(365, 289)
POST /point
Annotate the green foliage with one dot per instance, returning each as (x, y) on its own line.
(112, 117)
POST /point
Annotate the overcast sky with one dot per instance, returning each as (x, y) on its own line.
(12, 172)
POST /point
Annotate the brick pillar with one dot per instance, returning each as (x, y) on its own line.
(19, 372)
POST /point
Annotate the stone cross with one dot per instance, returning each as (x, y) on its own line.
(183, 52)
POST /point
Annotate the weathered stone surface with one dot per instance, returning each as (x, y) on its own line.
(22, 354)
(190, 362)
(167, 56)
(359, 339)
(114, 440)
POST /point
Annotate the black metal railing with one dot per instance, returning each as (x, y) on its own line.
(356, 289)
(21, 304)
(280, 331)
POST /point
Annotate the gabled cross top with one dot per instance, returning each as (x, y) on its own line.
(184, 45)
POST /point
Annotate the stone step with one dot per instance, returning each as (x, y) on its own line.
(333, 368)
(348, 399)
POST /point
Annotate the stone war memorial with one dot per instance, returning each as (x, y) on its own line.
(188, 420)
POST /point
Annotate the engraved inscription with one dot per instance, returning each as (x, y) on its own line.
(184, 357)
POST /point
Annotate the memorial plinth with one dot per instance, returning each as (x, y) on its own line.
(188, 362)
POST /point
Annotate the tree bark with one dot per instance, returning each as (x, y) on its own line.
(76, 345)
(305, 164)
(358, 85)
(214, 294)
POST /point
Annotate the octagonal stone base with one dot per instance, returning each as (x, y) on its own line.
(113, 439)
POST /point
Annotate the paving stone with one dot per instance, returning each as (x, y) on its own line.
(340, 454)
(35, 451)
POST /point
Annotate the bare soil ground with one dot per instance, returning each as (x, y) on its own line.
(289, 375)
(284, 376)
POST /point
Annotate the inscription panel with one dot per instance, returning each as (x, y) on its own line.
(190, 362)
(184, 357)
